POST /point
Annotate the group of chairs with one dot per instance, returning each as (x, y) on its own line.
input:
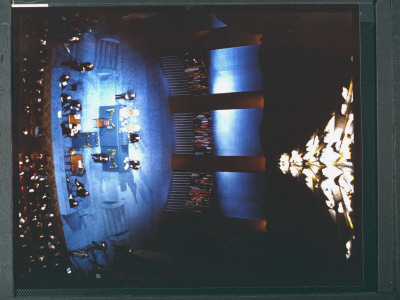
(132, 136)
(32, 68)
(199, 193)
(38, 243)
(203, 141)
(71, 125)
(196, 71)
(40, 247)
(75, 189)
(70, 29)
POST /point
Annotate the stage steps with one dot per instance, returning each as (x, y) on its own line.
(173, 69)
(114, 220)
(178, 193)
(107, 54)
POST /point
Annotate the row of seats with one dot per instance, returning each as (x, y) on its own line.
(199, 193)
(32, 69)
(196, 71)
(38, 243)
(203, 141)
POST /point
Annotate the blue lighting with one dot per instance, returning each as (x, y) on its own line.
(240, 195)
(235, 70)
(216, 22)
(236, 132)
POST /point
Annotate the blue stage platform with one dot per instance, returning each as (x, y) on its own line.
(123, 207)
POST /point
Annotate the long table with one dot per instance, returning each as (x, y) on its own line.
(114, 139)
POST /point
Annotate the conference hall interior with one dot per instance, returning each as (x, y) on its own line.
(190, 146)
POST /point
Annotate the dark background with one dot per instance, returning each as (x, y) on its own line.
(385, 136)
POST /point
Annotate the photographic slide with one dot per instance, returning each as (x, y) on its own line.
(187, 146)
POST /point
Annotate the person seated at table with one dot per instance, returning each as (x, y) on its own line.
(134, 138)
(72, 202)
(101, 158)
(76, 128)
(65, 129)
(64, 80)
(80, 170)
(81, 192)
(65, 98)
(134, 164)
(73, 106)
(127, 96)
(70, 130)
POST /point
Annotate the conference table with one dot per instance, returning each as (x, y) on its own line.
(75, 161)
(74, 119)
(114, 137)
(74, 123)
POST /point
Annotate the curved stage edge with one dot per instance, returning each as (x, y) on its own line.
(123, 206)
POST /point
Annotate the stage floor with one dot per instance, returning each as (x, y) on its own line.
(123, 207)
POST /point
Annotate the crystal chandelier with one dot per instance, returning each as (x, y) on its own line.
(326, 165)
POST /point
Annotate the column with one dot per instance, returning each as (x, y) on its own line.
(210, 163)
(181, 104)
(219, 38)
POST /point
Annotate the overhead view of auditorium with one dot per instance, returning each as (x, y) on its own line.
(190, 146)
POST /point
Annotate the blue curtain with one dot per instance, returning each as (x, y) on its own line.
(235, 70)
(236, 132)
(241, 195)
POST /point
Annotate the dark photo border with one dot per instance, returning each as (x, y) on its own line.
(379, 133)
